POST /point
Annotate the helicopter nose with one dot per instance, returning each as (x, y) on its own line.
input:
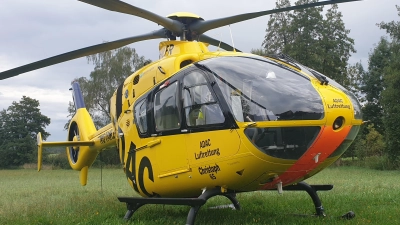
(340, 129)
(328, 140)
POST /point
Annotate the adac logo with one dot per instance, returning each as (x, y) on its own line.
(338, 104)
(205, 143)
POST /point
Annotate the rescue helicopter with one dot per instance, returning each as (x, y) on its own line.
(196, 124)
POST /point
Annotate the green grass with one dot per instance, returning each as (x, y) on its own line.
(56, 197)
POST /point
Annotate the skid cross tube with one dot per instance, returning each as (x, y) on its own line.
(134, 203)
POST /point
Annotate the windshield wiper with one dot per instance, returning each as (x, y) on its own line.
(286, 59)
(293, 62)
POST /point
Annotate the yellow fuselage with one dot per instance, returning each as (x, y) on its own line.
(181, 165)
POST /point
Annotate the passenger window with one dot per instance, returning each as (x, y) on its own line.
(141, 117)
(199, 104)
(166, 111)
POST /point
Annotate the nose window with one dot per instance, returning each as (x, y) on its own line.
(257, 90)
(283, 142)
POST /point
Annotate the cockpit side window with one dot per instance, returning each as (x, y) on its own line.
(166, 113)
(199, 104)
(140, 116)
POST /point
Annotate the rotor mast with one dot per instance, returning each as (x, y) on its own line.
(186, 19)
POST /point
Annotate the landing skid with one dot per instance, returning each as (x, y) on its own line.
(134, 203)
(312, 192)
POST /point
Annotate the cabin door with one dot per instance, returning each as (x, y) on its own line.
(210, 136)
(170, 142)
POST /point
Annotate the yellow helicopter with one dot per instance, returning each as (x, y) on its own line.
(196, 123)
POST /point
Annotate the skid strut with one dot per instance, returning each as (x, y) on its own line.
(133, 203)
(312, 192)
(207, 195)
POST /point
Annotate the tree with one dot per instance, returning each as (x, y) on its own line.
(392, 28)
(372, 145)
(373, 84)
(3, 128)
(278, 36)
(391, 107)
(391, 93)
(317, 42)
(354, 80)
(306, 27)
(336, 46)
(18, 128)
(111, 68)
(259, 51)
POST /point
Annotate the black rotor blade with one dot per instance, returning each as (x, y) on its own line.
(82, 52)
(215, 42)
(122, 7)
(200, 26)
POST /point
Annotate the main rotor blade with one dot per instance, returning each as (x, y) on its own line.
(119, 6)
(214, 42)
(200, 26)
(81, 52)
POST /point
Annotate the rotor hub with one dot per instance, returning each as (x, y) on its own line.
(76, 138)
(184, 16)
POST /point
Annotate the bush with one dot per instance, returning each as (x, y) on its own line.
(372, 145)
(372, 162)
(377, 163)
(59, 161)
(108, 158)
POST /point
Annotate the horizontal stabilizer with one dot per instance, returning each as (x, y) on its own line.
(42, 144)
(68, 143)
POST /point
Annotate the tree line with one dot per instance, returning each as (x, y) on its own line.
(380, 89)
(19, 124)
(322, 42)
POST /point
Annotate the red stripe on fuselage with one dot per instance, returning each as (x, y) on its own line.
(327, 142)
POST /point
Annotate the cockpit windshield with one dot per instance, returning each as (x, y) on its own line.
(263, 90)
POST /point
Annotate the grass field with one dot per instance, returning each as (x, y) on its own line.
(56, 197)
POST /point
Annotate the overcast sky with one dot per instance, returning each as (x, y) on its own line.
(34, 30)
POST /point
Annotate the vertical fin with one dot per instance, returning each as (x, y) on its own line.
(77, 95)
(40, 150)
